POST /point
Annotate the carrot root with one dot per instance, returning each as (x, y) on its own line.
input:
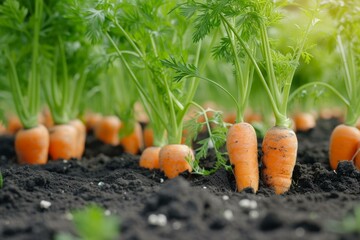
(279, 157)
(150, 158)
(107, 130)
(63, 139)
(133, 143)
(173, 159)
(81, 137)
(32, 145)
(241, 145)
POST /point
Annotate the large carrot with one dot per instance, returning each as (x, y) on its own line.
(150, 158)
(32, 145)
(241, 144)
(107, 130)
(279, 156)
(63, 141)
(343, 144)
(81, 137)
(173, 159)
(133, 142)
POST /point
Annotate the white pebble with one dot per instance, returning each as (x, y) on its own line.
(161, 180)
(247, 203)
(45, 204)
(299, 232)
(100, 184)
(225, 197)
(157, 219)
(176, 225)
(65, 161)
(254, 214)
(107, 212)
(204, 187)
(228, 215)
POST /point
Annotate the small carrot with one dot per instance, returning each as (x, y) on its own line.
(150, 158)
(279, 156)
(304, 121)
(47, 118)
(173, 159)
(133, 143)
(148, 136)
(230, 118)
(241, 144)
(14, 124)
(343, 144)
(32, 145)
(91, 120)
(107, 130)
(81, 137)
(63, 142)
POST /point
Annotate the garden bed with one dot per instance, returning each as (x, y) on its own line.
(195, 207)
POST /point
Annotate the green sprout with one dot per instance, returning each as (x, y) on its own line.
(1, 181)
(91, 223)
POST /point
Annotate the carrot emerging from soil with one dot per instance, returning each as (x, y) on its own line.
(304, 121)
(32, 145)
(279, 156)
(241, 144)
(150, 158)
(173, 159)
(148, 136)
(133, 143)
(63, 141)
(91, 120)
(81, 137)
(343, 144)
(107, 130)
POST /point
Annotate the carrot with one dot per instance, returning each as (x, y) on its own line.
(279, 156)
(343, 144)
(32, 145)
(304, 121)
(133, 143)
(63, 141)
(241, 144)
(356, 157)
(148, 136)
(230, 118)
(91, 120)
(14, 124)
(47, 118)
(173, 161)
(81, 137)
(107, 130)
(150, 158)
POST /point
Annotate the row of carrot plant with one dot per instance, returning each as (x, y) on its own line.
(107, 65)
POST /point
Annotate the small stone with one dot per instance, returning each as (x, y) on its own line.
(161, 180)
(45, 204)
(157, 220)
(247, 203)
(204, 187)
(254, 214)
(225, 197)
(100, 184)
(107, 212)
(228, 215)
(299, 232)
(176, 225)
(69, 216)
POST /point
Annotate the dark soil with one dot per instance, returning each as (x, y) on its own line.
(195, 207)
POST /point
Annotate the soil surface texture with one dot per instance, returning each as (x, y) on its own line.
(191, 207)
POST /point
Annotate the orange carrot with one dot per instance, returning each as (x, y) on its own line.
(230, 118)
(107, 130)
(133, 143)
(91, 120)
(14, 124)
(279, 156)
(356, 157)
(81, 137)
(343, 144)
(150, 158)
(63, 142)
(173, 161)
(32, 145)
(47, 118)
(304, 121)
(148, 136)
(241, 144)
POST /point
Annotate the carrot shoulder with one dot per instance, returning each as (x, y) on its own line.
(63, 141)
(133, 142)
(343, 144)
(32, 145)
(81, 137)
(150, 158)
(173, 159)
(279, 157)
(241, 144)
(107, 130)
